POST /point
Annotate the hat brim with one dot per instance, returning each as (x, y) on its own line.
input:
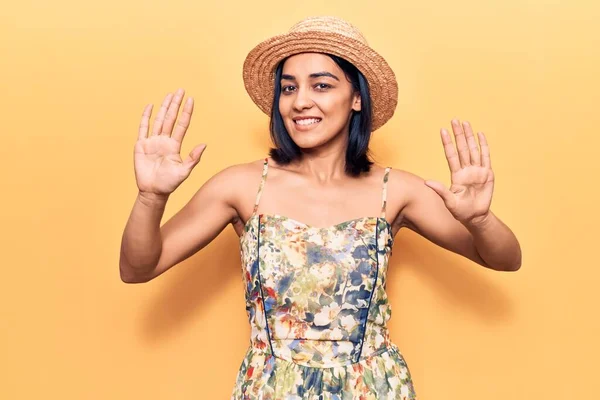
(260, 63)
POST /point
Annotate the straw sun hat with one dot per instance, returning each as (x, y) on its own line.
(322, 35)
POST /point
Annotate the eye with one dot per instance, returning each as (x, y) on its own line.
(287, 89)
(323, 86)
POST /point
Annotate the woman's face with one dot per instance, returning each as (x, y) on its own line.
(316, 100)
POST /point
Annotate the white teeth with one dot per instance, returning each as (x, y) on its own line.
(307, 121)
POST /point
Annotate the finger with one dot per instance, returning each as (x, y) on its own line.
(184, 120)
(144, 123)
(450, 151)
(172, 112)
(194, 157)
(440, 189)
(472, 143)
(485, 151)
(461, 144)
(157, 128)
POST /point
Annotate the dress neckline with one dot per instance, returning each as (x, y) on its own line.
(313, 227)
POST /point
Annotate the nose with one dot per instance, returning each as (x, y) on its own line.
(302, 100)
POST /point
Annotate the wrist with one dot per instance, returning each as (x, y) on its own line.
(153, 199)
(479, 222)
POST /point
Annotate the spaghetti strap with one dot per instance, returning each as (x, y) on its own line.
(262, 184)
(384, 194)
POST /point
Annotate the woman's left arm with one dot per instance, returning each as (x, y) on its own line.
(496, 243)
(468, 201)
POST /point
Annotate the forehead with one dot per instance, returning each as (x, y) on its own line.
(308, 63)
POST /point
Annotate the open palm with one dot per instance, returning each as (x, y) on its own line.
(472, 179)
(159, 168)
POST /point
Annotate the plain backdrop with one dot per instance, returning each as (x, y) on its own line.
(74, 79)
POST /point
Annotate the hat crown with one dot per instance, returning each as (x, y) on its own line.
(329, 25)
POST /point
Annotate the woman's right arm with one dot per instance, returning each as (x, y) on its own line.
(147, 250)
(141, 243)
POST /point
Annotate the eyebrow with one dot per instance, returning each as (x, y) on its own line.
(314, 75)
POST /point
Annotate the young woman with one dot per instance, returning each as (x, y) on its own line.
(317, 218)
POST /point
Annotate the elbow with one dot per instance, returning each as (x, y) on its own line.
(129, 280)
(517, 264)
(504, 265)
(512, 267)
(134, 274)
(503, 268)
(129, 275)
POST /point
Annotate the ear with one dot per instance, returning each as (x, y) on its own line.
(356, 104)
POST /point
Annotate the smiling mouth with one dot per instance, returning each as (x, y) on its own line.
(307, 121)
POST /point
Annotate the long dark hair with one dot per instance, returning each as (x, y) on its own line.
(357, 153)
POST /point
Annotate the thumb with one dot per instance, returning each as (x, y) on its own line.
(440, 189)
(194, 157)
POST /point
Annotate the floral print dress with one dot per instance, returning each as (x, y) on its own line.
(317, 306)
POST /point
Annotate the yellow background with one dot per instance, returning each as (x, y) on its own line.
(74, 79)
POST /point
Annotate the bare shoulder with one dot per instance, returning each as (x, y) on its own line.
(228, 187)
(241, 181)
(238, 174)
(236, 178)
(402, 179)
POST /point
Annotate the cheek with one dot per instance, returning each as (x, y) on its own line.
(336, 109)
(283, 105)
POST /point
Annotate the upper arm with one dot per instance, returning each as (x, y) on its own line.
(426, 214)
(205, 215)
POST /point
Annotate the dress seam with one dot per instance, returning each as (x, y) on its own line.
(260, 287)
(362, 342)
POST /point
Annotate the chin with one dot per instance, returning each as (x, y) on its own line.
(307, 143)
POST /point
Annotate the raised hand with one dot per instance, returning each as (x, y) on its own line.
(159, 169)
(472, 180)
